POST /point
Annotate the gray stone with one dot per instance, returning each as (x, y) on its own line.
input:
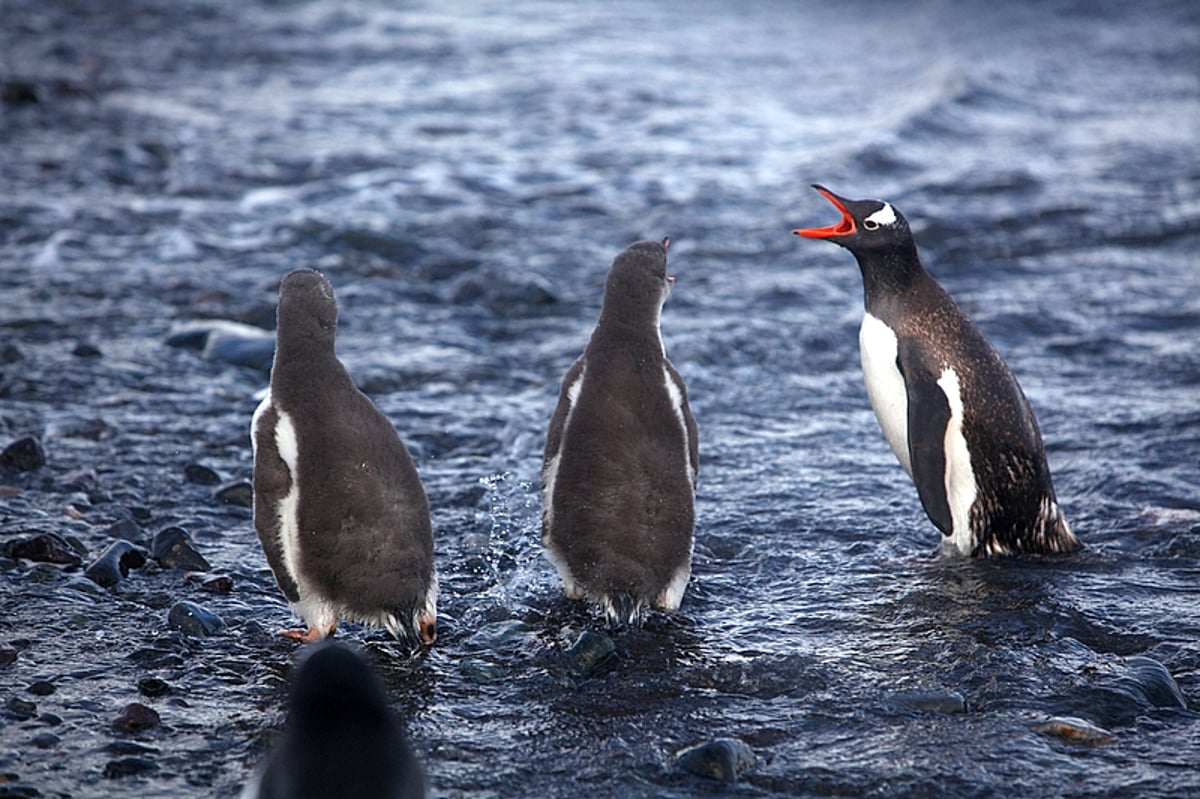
(115, 563)
(724, 759)
(190, 618)
(173, 548)
(589, 653)
(23, 455)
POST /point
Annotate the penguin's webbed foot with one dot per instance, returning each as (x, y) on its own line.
(309, 634)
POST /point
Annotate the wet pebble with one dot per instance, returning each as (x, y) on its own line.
(50, 719)
(1075, 730)
(589, 653)
(115, 563)
(41, 688)
(173, 548)
(248, 346)
(153, 687)
(45, 740)
(216, 583)
(23, 455)
(136, 717)
(128, 766)
(86, 349)
(8, 656)
(931, 701)
(126, 530)
(239, 493)
(724, 759)
(201, 475)
(191, 619)
(21, 709)
(45, 548)
(1151, 680)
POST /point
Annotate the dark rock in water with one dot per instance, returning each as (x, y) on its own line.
(724, 759)
(50, 719)
(931, 701)
(136, 717)
(173, 548)
(201, 475)
(41, 688)
(45, 740)
(589, 652)
(85, 349)
(23, 455)
(115, 563)
(21, 709)
(126, 530)
(1150, 679)
(153, 687)
(8, 656)
(128, 766)
(11, 353)
(15, 93)
(190, 618)
(45, 548)
(216, 583)
(240, 494)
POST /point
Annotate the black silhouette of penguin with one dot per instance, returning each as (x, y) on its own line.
(338, 505)
(340, 739)
(948, 405)
(621, 459)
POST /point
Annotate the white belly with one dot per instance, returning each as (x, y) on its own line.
(885, 385)
(961, 489)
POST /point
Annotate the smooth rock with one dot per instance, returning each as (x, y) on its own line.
(239, 493)
(931, 701)
(41, 688)
(45, 740)
(173, 548)
(86, 349)
(191, 619)
(45, 548)
(23, 455)
(115, 563)
(136, 717)
(201, 475)
(126, 530)
(1075, 730)
(589, 652)
(724, 759)
(153, 687)
(216, 583)
(255, 349)
(8, 656)
(21, 709)
(128, 766)
(1149, 678)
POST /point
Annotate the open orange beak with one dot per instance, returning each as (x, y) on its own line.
(844, 228)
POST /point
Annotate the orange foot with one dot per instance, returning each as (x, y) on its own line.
(308, 635)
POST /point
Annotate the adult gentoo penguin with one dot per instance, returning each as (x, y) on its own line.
(949, 407)
(338, 505)
(340, 738)
(619, 474)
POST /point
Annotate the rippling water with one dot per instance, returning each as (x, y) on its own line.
(465, 177)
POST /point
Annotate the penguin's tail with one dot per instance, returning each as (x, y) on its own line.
(623, 607)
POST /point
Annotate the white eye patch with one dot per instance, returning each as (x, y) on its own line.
(884, 216)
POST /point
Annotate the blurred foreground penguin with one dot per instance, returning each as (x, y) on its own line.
(949, 407)
(338, 505)
(340, 739)
(621, 459)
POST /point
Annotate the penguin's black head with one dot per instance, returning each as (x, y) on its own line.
(307, 308)
(866, 225)
(638, 282)
(334, 685)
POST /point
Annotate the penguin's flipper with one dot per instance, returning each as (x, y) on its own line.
(928, 416)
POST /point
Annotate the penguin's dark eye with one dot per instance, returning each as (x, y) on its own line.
(870, 224)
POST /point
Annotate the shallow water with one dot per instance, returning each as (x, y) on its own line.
(465, 179)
